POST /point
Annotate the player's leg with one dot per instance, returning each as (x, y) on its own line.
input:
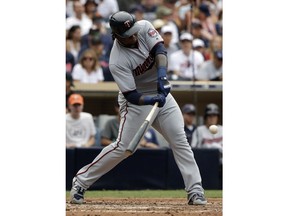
(170, 124)
(132, 117)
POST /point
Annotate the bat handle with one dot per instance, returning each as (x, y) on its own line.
(148, 118)
(135, 141)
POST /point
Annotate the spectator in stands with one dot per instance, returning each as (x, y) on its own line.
(189, 112)
(101, 42)
(73, 41)
(69, 8)
(69, 91)
(124, 5)
(208, 26)
(219, 24)
(196, 31)
(88, 70)
(185, 62)
(90, 7)
(150, 8)
(202, 137)
(158, 24)
(79, 18)
(149, 140)
(199, 45)
(70, 59)
(97, 32)
(166, 14)
(110, 132)
(106, 8)
(80, 127)
(212, 69)
(216, 44)
(184, 9)
(137, 10)
(166, 33)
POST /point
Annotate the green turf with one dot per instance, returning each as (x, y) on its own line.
(147, 193)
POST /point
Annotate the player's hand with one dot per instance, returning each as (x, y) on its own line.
(151, 100)
(163, 86)
(159, 98)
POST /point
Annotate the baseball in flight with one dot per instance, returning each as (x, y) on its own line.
(213, 129)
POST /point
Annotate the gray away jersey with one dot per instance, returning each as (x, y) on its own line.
(134, 68)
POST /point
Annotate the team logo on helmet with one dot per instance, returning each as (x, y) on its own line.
(152, 32)
(127, 23)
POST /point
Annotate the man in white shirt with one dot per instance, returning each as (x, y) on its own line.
(80, 128)
(79, 18)
(185, 62)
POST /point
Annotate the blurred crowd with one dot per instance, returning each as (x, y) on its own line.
(192, 33)
(191, 29)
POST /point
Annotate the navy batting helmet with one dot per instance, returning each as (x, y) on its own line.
(123, 24)
(211, 109)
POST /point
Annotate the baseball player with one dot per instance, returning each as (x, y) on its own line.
(138, 63)
(202, 137)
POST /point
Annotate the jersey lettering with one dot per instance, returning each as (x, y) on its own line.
(140, 69)
(210, 141)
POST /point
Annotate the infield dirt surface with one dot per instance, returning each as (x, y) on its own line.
(143, 206)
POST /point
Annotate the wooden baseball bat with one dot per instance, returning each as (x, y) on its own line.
(140, 133)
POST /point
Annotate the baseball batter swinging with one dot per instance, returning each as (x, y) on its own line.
(138, 63)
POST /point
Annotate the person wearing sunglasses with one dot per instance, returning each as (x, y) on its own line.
(88, 70)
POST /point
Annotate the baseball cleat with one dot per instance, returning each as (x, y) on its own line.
(196, 199)
(77, 194)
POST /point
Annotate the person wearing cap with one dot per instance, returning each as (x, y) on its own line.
(138, 63)
(185, 62)
(166, 33)
(202, 137)
(208, 26)
(189, 112)
(211, 69)
(80, 127)
(199, 45)
(197, 31)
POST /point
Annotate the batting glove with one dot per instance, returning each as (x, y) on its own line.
(151, 100)
(163, 85)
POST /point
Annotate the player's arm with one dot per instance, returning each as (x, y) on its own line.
(90, 142)
(137, 98)
(161, 60)
(105, 141)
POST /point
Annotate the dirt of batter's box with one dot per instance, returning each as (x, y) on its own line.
(143, 206)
